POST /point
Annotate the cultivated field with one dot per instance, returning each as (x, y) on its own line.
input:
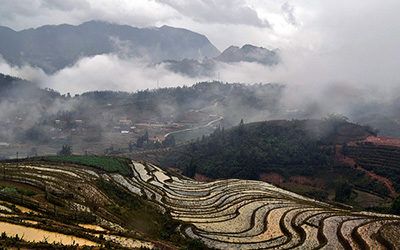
(224, 214)
(239, 214)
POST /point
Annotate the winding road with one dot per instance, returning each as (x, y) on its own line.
(220, 118)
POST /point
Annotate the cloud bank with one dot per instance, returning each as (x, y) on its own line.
(333, 51)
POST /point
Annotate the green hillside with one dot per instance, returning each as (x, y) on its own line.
(299, 155)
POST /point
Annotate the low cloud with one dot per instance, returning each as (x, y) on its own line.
(102, 72)
(309, 80)
(25, 72)
(110, 72)
(25, 14)
(116, 73)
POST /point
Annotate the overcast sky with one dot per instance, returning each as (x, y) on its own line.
(354, 42)
(270, 23)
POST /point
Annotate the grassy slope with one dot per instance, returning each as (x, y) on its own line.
(108, 164)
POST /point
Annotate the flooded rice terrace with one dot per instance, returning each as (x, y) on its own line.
(39, 235)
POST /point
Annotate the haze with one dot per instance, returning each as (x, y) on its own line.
(334, 54)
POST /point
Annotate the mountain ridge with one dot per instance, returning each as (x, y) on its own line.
(53, 47)
(249, 53)
(233, 54)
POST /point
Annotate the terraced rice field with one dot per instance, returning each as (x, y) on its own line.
(225, 214)
(38, 235)
(240, 214)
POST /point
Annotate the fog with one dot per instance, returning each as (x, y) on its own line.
(116, 73)
(337, 56)
(310, 80)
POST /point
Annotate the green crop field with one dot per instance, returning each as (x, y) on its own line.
(109, 164)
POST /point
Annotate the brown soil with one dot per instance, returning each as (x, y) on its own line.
(352, 163)
(200, 177)
(387, 141)
(379, 140)
(272, 178)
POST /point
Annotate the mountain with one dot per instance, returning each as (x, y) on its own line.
(192, 68)
(209, 66)
(249, 53)
(53, 47)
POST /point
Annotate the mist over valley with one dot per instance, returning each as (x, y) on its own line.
(166, 124)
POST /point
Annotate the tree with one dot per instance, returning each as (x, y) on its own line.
(66, 150)
(396, 206)
(241, 127)
(169, 141)
(139, 142)
(146, 136)
(343, 192)
(142, 140)
(191, 169)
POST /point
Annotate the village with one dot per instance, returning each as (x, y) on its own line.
(110, 134)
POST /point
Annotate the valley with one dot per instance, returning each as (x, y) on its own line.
(199, 125)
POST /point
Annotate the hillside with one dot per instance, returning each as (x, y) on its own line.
(156, 209)
(299, 155)
(92, 122)
(378, 155)
(281, 145)
(44, 119)
(53, 47)
(15, 89)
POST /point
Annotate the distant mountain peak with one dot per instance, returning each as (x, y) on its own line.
(233, 54)
(167, 27)
(248, 47)
(91, 22)
(249, 53)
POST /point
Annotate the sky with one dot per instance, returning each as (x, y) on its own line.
(269, 23)
(351, 43)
